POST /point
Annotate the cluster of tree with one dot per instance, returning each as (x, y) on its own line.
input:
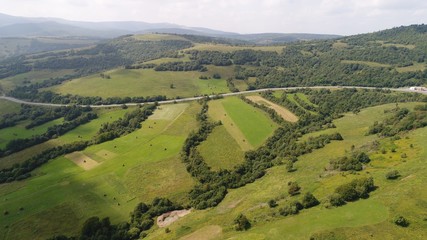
(231, 86)
(294, 207)
(402, 120)
(354, 162)
(141, 219)
(141, 66)
(16, 145)
(181, 66)
(210, 57)
(352, 191)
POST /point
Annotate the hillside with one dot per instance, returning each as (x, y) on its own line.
(390, 58)
(322, 163)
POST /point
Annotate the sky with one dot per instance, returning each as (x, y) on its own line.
(344, 17)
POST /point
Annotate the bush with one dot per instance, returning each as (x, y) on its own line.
(309, 200)
(401, 221)
(394, 174)
(292, 208)
(336, 200)
(242, 223)
(293, 188)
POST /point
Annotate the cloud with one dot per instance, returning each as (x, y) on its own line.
(318, 16)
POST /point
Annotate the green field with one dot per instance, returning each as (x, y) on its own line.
(19, 131)
(229, 48)
(221, 150)
(137, 167)
(359, 220)
(83, 132)
(147, 82)
(35, 76)
(249, 126)
(8, 107)
(370, 64)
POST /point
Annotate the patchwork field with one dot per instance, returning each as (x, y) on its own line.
(283, 112)
(249, 126)
(147, 82)
(370, 218)
(137, 167)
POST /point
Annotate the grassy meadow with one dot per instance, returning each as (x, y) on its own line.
(147, 82)
(362, 219)
(137, 167)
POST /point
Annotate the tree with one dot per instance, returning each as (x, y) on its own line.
(293, 188)
(242, 223)
(172, 86)
(272, 203)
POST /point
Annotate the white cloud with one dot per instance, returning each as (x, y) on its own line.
(318, 16)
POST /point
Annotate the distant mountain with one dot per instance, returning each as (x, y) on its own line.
(12, 26)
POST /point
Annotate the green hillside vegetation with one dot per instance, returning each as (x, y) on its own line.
(144, 82)
(127, 171)
(8, 107)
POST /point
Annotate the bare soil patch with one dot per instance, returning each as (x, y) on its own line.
(204, 233)
(81, 160)
(168, 218)
(283, 112)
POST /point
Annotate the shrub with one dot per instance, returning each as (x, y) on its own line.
(242, 223)
(272, 203)
(309, 200)
(293, 188)
(401, 221)
(394, 174)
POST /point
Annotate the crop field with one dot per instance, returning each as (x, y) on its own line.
(221, 150)
(19, 131)
(229, 48)
(361, 219)
(283, 112)
(137, 167)
(249, 126)
(145, 82)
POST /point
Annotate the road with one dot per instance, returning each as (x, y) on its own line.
(197, 98)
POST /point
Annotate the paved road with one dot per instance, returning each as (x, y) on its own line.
(197, 98)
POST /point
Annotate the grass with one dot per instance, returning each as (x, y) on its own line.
(145, 82)
(35, 76)
(19, 131)
(8, 107)
(221, 150)
(367, 63)
(414, 68)
(83, 132)
(249, 126)
(229, 48)
(358, 220)
(145, 164)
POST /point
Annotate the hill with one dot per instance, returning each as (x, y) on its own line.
(390, 58)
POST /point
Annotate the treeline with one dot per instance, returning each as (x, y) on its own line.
(31, 93)
(110, 131)
(181, 66)
(41, 115)
(23, 170)
(129, 123)
(402, 120)
(16, 145)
